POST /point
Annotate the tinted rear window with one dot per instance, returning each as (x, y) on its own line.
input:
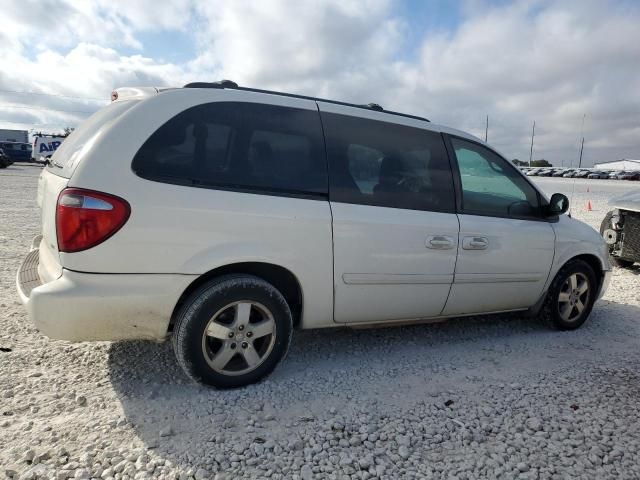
(67, 156)
(233, 145)
(387, 164)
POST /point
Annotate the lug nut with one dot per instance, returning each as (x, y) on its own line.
(241, 327)
(230, 335)
(233, 346)
(249, 334)
(245, 344)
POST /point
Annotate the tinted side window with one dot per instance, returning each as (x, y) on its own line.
(490, 186)
(386, 164)
(257, 147)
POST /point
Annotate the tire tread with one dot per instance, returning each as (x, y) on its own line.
(547, 314)
(218, 286)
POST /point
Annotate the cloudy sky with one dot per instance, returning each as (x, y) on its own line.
(455, 63)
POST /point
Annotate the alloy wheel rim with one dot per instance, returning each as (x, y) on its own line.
(573, 297)
(239, 337)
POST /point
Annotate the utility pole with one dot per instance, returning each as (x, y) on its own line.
(533, 133)
(582, 144)
(486, 130)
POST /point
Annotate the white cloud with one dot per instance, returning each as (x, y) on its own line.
(537, 61)
(548, 61)
(88, 72)
(304, 46)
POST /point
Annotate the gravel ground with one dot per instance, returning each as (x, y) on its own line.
(491, 397)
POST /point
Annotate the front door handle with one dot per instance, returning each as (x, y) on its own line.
(475, 243)
(440, 242)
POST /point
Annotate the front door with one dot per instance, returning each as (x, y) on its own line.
(395, 232)
(506, 247)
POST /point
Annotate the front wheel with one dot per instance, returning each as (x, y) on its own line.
(232, 331)
(571, 296)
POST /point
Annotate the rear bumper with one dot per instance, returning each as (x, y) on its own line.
(88, 306)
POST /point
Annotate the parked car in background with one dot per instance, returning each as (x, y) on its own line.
(614, 175)
(629, 176)
(293, 212)
(17, 151)
(570, 173)
(581, 173)
(5, 161)
(598, 174)
(533, 172)
(621, 229)
(560, 172)
(546, 172)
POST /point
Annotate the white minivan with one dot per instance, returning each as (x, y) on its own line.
(227, 217)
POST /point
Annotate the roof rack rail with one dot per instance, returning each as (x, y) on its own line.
(233, 85)
(218, 84)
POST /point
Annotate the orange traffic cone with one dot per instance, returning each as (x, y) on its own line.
(589, 207)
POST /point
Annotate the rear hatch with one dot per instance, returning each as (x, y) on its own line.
(56, 174)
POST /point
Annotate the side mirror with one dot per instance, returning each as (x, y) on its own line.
(558, 204)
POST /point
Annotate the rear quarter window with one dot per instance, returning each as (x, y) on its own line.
(255, 147)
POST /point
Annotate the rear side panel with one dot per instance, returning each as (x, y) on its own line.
(178, 229)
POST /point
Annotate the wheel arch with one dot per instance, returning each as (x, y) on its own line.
(590, 259)
(594, 262)
(280, 277)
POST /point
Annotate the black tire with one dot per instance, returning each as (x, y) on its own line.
(550, 313)
(193, 348)
(617, 261)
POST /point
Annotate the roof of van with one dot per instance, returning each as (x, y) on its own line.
(130, 93)
(133, 93)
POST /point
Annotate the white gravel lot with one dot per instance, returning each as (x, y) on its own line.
(468, 398)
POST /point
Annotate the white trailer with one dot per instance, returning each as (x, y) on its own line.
(44, 146)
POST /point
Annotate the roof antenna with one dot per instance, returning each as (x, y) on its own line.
(573, 188)
(486, 130)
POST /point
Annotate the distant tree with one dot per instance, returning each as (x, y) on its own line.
(519, 163)
(67, 131)
(541, 163)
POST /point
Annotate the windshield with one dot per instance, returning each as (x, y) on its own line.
(68, 155)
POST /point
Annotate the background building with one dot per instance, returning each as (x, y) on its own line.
(14, 136)
(624, 164)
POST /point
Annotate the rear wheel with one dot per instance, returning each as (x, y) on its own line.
(232, 331)
(571, 296)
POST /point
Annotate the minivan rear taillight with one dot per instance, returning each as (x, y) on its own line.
(85, 218)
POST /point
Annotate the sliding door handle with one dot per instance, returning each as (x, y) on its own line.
(440, 242)
(475, 243)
